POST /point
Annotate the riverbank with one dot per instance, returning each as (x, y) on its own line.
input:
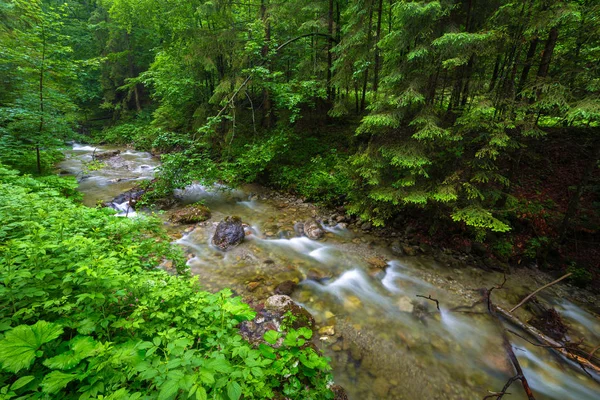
(362, 287)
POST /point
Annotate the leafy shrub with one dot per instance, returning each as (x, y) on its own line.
(581, 276)
(85, 313)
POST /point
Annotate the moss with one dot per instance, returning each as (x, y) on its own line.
(190, 214)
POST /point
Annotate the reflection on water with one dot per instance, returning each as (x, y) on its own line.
(389, 343)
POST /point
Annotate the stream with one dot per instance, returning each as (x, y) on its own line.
(384, 342)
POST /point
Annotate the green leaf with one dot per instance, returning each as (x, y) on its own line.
(20, 346)
(168, 390)
(56, 380)
(19, 383)
(234, 390)
(82, 347)
(272, 336)
(201, 393)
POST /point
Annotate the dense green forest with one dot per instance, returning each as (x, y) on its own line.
(478, 117)
(470, 121)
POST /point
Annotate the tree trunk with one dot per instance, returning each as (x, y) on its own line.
(528, 63)
(547, 54)
(329, 47)
(267, 120)
(132, 74)
(573, 206)
(377, 55)
(495, 73)
(368, 50)
(468, 74)
(41, 127)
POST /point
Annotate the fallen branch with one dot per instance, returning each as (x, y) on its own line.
(437, 303)
(526, 299)
(583, 362)
(520, 376)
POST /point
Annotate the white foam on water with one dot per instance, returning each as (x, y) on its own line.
(323, 254)
(197, 248)
(571, 311)
(353, 282)
(561, 386)
(393, 274)
(302, 245)
(337, 229)
(251, 204)
(390, 278)
(81, 147)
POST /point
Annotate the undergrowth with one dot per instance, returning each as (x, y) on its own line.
(85, 313)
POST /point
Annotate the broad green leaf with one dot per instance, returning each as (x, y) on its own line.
(56, 380)
(81, 347)
(19, 347)
(201, 393)
(168, 390)
(272, 336)
(234, 390)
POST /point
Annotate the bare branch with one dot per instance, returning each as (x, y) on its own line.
(437, 303)
(526, 299)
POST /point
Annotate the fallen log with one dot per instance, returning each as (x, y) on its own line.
(555, 345)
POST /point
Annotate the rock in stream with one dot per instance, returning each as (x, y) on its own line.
(229, 233)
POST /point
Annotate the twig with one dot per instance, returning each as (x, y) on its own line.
(497, 395)
(437, 303)
(526, 299)
(592, 352)
(488, 293)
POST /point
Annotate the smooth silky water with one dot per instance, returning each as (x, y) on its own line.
(388, 343)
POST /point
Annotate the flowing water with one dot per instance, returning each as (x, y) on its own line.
(384, 341)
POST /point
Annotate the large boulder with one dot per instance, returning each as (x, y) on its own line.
(229, 233)
(190, 214)
(313, 230)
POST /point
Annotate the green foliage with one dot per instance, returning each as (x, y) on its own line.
(85, 312)
(581, 276)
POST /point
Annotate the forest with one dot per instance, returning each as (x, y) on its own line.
(476, 123)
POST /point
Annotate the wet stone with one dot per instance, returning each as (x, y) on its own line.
(229, 233)
(286, 288)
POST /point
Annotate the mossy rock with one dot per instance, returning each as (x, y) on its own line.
(190, 214)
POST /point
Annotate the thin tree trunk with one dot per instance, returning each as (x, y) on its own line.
(468, 74)
(528, 63)
(132, 74)
(366, 75)
(432, 85)
(267, 121)
(495, 73)
(329, 47)
(573, 206)
(547, 54)
(377, 55)
(41, 127)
